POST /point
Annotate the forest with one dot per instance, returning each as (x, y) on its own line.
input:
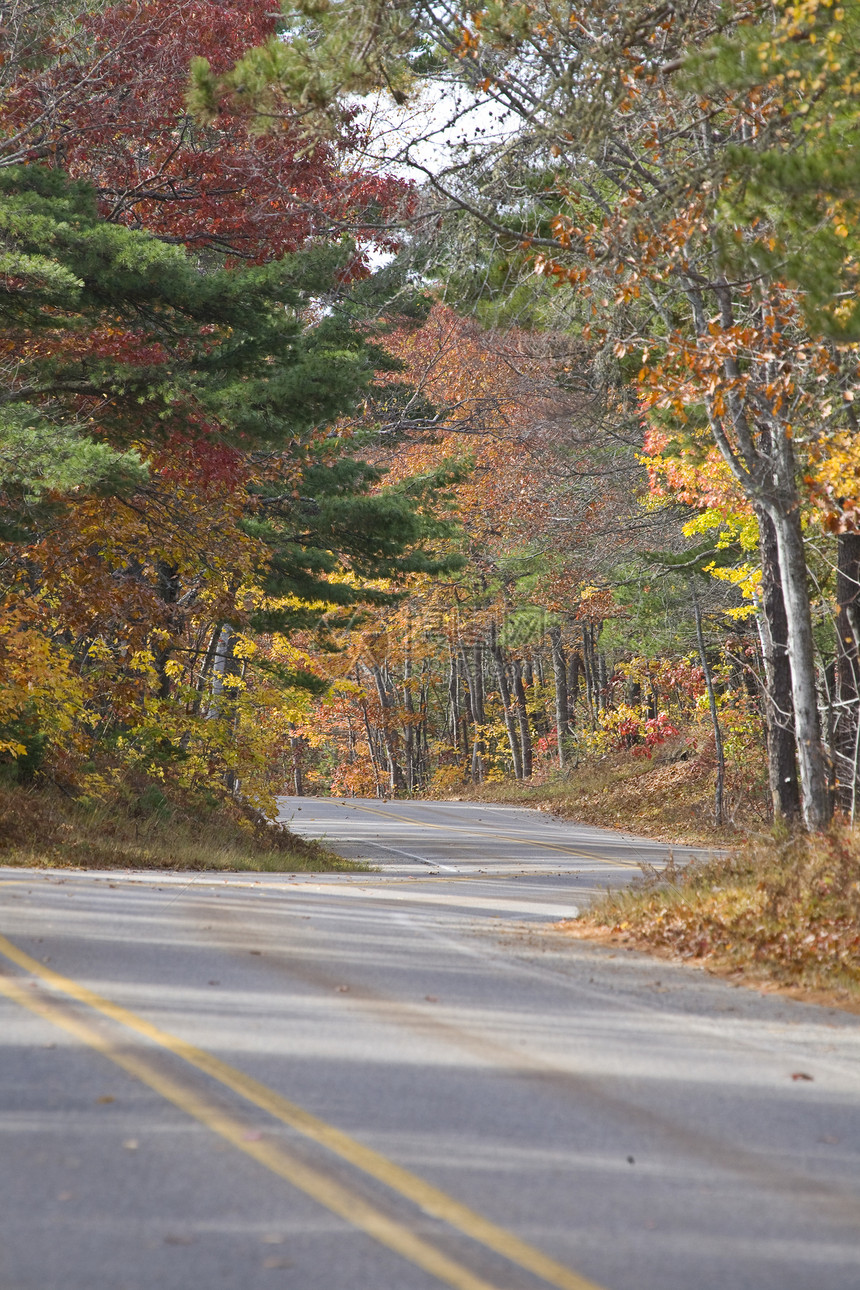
(406, 399)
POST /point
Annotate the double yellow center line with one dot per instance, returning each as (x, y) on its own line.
(335, 1196)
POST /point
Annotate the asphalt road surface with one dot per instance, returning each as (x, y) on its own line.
(405, 1079)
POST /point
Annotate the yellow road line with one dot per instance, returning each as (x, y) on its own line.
(335, 1197)
(505, 837)
(431, 1199)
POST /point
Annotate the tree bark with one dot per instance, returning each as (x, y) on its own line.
(479, 684)
(469, 696)
(523, 719)
(474, 699)
(602, 682)
(719, 788)
(454, 700)
(200, 681)
(801, 651)
(574, 671)
(377, 779)
(223, 666)
(498, 657)
(409, 722)
(221, 705)
(395, 774)
(588, 676)
(296, 749)
(559, 668)
(168, 590)
(846, 734)
(779, 708)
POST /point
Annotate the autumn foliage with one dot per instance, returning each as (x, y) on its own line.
(109, 107)
(278, 515)
(172, 498)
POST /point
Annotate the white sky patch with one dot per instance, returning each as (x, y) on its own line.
(435, 132)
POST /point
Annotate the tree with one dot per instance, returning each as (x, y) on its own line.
(104, 102)
(194, 481)
(644, 215)
(115, 330)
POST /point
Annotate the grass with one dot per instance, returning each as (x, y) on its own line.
(672, 800)
(780, 910)
(45, 828)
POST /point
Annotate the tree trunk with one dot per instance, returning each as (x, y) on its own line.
(477, 767)
(801, 651)
(223, 705)
(168, 585)
(846, 735)
(296, 749)
(779, 709)
(223, 666)
(422, 748)
(523, 719)
(602, 682)
(470, 696)
(588, 676)
(409, 722)
(559, 668)
(200, 681)
(574, 671)
(498, 657)
(395, 774)
(474, 698)
(719, 789)
(479, 684)
(454, 701)
(374, 766)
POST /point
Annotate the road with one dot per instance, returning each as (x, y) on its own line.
(405, 1079)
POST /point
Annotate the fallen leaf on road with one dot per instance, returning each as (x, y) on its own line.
(801, 1075)
(431, 998)
(273, 1238)
(275, 1261)
(253, 1135)
(342, 989)
(131, 1144)
(101, 1101)
(65, 1195)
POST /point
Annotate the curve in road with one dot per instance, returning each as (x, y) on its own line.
(405, 1079)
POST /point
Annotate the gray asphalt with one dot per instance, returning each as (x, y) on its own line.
(640, 1123)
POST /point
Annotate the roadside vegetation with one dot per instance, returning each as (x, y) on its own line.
(779, 911)
(669, 796)
(46, 828)
(671, 802)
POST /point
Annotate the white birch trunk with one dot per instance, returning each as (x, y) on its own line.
(801, 653)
